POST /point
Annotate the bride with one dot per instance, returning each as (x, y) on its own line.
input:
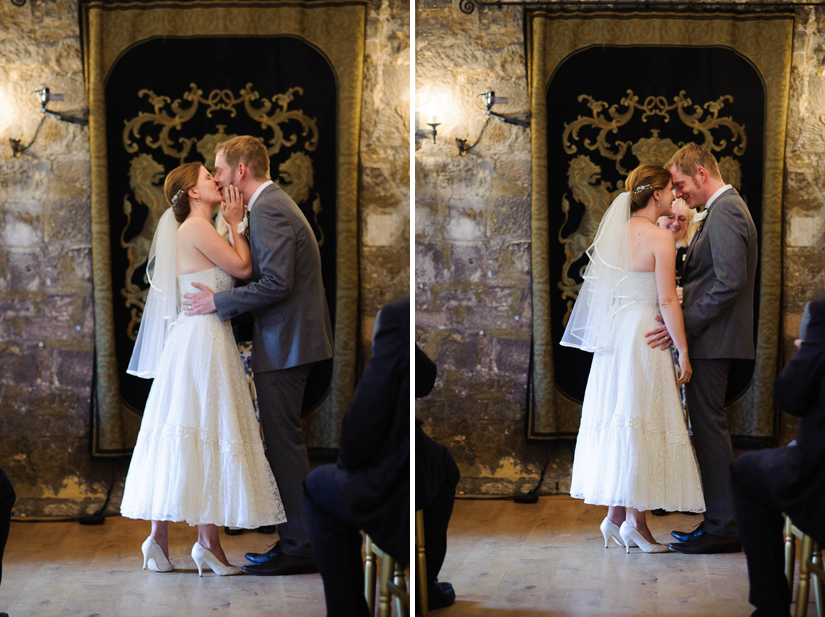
(633, 451)
(199, 456)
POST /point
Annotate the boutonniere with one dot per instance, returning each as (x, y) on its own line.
(244, 224)
(700, 216)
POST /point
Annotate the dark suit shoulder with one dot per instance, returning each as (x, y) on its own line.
(399, 310)
(818, 308)
(393, 324)
(816, 326)
(425, 373)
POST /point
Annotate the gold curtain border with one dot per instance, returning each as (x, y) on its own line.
(338, 31)
(766, 42)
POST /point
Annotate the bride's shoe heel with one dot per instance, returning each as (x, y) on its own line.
(201, 555)
(632, 537)
(153, 556)
(609, 530)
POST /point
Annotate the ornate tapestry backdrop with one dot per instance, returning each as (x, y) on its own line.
(167, 83)
(654, 83)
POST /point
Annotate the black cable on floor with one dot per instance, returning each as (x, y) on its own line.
(98, 517)
(530, 496)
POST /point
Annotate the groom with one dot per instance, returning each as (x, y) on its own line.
(720, 270)
(292, 331)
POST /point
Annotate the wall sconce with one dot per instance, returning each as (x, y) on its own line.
(44, 95)
(424, 133)
(490, 99)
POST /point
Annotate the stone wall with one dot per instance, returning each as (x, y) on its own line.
(46, 313)
(472, 237)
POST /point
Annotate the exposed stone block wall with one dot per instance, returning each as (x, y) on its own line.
(46, 312)
(472, 237)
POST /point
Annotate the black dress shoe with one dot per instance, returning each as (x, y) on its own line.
(687, 536)
(707, 544)
(264, 557)
(283, 565)
(267, 529)
(233, 531)
(659, 512)
(440, 595)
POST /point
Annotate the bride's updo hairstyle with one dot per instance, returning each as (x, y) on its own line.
(176, 186)
(648, 177)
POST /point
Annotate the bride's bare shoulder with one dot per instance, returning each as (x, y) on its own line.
(662, 238)
(195, 225)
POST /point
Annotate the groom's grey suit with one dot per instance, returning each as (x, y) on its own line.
(720, 271)
(292, 330)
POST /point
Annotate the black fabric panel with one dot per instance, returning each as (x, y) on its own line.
(167, 67)
(606, 73)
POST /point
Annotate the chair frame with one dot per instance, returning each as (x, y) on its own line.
(810, 564)
(421, 600)
(392, 583)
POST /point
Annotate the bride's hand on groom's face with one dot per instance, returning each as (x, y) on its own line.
(232, 209)
(659, 337)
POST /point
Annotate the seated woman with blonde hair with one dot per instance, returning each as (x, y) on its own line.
(681, 226)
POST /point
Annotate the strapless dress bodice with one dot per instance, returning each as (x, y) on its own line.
(215, 279)
(641, 287)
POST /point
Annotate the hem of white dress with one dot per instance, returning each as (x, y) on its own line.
(623, 503)
(216, 522)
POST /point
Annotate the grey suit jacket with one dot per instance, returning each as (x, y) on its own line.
(720, 271)
(286, 295)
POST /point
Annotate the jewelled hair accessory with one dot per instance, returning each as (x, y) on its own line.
(176, 198)
(643, 188)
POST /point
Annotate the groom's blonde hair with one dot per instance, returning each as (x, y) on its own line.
(689, 158)
(249, 151)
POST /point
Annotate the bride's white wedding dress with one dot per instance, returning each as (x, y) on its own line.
(199, 456)
(633, 447)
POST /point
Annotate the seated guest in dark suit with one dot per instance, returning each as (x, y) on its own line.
(791, 480)
(369, 487)
(436, 478)
(7, 498)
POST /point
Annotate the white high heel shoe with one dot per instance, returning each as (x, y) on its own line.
(202, 555)
(609, 530)
(153, 556)
(632, 537)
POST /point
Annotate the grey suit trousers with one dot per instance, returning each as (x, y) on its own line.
(280, 394)
(706, 404)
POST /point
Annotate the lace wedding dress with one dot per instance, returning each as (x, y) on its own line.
(199, 456)
(633, 447)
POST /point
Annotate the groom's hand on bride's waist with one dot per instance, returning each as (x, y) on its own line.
(659, 337)
(201, 303)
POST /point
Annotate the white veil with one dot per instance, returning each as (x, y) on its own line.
(602, 294)
(162, 302)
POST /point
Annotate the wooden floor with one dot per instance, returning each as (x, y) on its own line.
(508, 559)
(64, 569)
(504, 560)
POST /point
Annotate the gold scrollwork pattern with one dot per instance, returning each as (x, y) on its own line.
(652, 106)
(583, 178)
(336, 28)
(146, 175)
(583, 174)
(766, 42)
